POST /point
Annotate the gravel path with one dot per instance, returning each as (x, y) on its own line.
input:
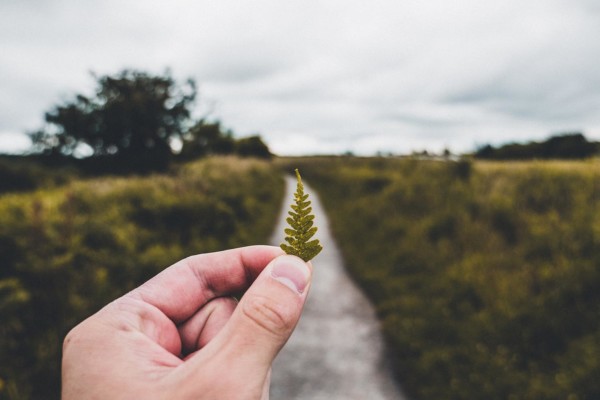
(336, 351)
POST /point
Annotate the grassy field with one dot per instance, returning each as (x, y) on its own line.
(68, 250)
(486, 276)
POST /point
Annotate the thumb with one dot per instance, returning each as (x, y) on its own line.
(241, 354)
(268, 312)
(266, 315)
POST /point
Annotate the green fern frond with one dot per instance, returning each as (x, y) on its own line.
(302, 229)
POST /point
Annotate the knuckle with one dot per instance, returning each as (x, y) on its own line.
(71, 338)
(274, 318)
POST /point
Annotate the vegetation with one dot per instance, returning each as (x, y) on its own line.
(134, 122)
(68, 250)
(19, 173)
(252, 146)
(301, 227)
(484, 275)
(209, 138)
(566, 146)
(131, 114)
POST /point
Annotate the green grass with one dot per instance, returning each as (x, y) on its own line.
(67, 251)
(485, 275)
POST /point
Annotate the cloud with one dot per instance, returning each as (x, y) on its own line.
(325, 76)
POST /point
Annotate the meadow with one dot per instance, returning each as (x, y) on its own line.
(71, 246)
(485, 275)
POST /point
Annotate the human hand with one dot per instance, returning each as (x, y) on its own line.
(180, 335)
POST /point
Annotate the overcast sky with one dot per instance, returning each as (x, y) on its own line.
(322, 76)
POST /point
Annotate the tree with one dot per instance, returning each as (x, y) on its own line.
(131, 114)
(204, 139)
(210, 139)
(253, 146)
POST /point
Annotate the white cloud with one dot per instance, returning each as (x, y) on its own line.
(14, 143)
(320, 76)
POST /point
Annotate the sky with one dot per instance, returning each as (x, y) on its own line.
(321, 76)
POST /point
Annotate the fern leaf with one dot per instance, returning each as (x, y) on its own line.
(301, 222)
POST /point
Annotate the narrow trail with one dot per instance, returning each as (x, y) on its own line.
(336, 351)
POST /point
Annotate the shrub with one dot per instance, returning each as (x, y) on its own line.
(486, 287)
(66, 252)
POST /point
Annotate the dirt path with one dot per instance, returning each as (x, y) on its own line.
(336, 351)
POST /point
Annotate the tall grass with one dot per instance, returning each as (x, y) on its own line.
(486, 276)
(66, 252)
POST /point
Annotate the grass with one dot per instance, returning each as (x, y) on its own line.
(484, 274)
(67, 251)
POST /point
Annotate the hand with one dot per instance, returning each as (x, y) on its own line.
(180, 335)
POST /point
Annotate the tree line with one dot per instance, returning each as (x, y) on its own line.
(563, 146)
(136, 122)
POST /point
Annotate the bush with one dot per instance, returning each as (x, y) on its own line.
(486, 287)
(252, 146)
(65, 253)
(26, 173)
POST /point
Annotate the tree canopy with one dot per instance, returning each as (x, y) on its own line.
(133, 122)
(207, 138)
(130, 113)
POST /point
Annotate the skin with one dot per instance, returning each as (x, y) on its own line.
(181, 336)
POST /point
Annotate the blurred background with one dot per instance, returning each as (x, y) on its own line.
(463, 136)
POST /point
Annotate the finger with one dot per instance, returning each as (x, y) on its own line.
(266, 386)
(270, 309)
(197, 331)
(183, 288)
(263, 320)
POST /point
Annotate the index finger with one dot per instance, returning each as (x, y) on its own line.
(183, 288)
